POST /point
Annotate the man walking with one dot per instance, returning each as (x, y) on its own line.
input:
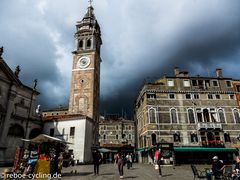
(97, 158)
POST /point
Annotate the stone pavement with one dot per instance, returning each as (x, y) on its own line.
(138, 172)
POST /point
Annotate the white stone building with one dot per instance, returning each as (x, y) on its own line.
(72, 129)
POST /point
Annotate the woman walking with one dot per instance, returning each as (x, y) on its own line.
(157, 160)
(119, 160)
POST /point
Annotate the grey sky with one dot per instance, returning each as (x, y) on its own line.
(140, 39)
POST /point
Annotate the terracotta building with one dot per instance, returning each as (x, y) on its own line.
(193, 113)
(116, 134)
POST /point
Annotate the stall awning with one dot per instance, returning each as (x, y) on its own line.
(141, 149)
(204, 149)
(45, 138)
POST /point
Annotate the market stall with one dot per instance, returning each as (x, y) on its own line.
(42, 158)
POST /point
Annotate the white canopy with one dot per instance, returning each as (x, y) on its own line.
(44, 138)
(104, 150)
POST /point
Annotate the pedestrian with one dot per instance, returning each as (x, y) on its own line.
(129, 160)
(60, 163)
(72, 160)
(217, 169)
(97, 158)
(119, 160)
(157, 160)
(236, 171)
(173, 159)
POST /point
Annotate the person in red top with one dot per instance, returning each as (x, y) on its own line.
(157, 159)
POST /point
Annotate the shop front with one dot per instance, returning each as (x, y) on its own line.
(203, 155)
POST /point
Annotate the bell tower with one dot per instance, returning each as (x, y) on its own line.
(85, 83)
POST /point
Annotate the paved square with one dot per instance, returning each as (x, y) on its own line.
(138, 172)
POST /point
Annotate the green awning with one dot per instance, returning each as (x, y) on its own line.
(140, 149)
(204, 149)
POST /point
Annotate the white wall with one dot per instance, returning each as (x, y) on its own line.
(82, 140)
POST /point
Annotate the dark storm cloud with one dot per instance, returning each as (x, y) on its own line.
(28, 43)
(197, 36)
(142, 40)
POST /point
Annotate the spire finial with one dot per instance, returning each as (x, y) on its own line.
(1, 51)
(17, 71)
(90, 2)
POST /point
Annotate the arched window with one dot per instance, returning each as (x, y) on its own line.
(227, 137)
(154, 139)
(81, 44)
(206, 115)
(129, 136)
(191, 116)
(152, 116)
(194, 138)
(173, 113)
(104, 136)
(144, 141)
(16, 130)
(176, 137)
(210, 136)
(221, 116)
(236, 116)
(89, 43)
(117, 136)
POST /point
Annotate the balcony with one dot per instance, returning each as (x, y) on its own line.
(208, 126)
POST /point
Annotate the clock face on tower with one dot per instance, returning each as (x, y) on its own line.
(83, 62)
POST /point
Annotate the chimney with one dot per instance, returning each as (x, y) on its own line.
(219, 72)
(176, 71)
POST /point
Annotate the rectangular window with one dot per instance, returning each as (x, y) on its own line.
(238, 88)
(117, 127)
(200, 84)
(52, 132)
(170, 83)
(228, 83)
(218, 96)
(215, 83)
(207, 83)
(231, 96)
(186, 83)
(188, 96)
(151, 96)
(171, 96)
(72, 131)
(210, 96)
(194, 82)
(196, 96)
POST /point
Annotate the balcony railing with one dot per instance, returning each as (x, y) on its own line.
(209, 126)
